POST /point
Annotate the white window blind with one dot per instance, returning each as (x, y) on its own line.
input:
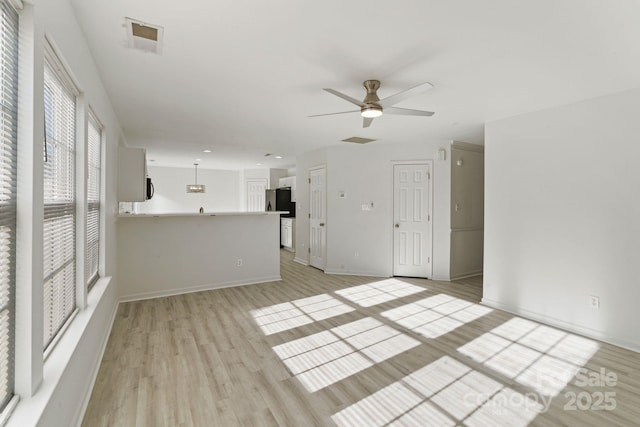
(94, 148)
(59, 198)
(8, 161)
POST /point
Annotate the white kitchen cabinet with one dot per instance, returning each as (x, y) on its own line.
(132, 174)
(289, 181)
(287, 232)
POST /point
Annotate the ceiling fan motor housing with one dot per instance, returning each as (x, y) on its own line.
(371, 86)
(371, 108)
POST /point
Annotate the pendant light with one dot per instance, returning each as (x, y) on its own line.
(195, 188)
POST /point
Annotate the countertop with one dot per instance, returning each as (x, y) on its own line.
(166, 215)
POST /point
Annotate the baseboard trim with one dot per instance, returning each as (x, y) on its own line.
(570, 327)
(199, 288)
(98, 362)
(301, 261)
(467, 275)
(357, 273)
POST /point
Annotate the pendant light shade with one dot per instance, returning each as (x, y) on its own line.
(195, 188)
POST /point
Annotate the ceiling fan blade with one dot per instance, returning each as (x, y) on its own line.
(407, 112)
(366, 121)
(401, 96)
(345, 97)
(333, 114)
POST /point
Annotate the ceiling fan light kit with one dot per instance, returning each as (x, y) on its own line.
(372, 106)
(371, 111)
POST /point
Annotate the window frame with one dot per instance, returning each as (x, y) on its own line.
(8, 181)
(66, 208)
(91, 277)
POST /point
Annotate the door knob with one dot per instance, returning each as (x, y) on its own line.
(397, 225)
(322, 224)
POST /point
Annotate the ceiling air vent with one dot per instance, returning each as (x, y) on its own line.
(358, 140)
(143, 36)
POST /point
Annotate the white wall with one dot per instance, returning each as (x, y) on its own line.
(54, 393)
(275, 175)
(262, 173)
(562, 216)
(364, 172)
(170, 196)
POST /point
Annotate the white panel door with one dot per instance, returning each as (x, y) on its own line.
(412, 220)
(317, 217)
(256, 195)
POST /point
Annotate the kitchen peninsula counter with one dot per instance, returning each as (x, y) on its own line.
(175, 253)
(205, 214)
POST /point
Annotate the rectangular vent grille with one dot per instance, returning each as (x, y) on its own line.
(143, 36)
(358, 140)
(148, 33)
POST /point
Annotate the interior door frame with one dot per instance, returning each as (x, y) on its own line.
(247, 181)
(427, 162)
(324, 254)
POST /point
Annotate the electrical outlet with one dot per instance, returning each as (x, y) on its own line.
(239, 262)
(594, 301)
(356, 254)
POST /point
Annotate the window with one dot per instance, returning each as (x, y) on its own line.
(59, 197)
(94, 148)
(8, 160)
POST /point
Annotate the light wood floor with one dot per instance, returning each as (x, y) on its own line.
(316, 349)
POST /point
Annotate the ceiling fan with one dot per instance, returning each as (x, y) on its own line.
(372, 106)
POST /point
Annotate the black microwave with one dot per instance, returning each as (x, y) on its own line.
(150, 189)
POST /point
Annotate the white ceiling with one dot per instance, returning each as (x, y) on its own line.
(241, 77)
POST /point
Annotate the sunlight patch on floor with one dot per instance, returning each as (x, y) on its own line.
(326, 357)
(393, 402)
(443, 393)
(378, 292)
(535, 355)
(437, 315)
(289, 315)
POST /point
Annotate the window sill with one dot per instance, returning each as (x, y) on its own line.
(71, 366)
